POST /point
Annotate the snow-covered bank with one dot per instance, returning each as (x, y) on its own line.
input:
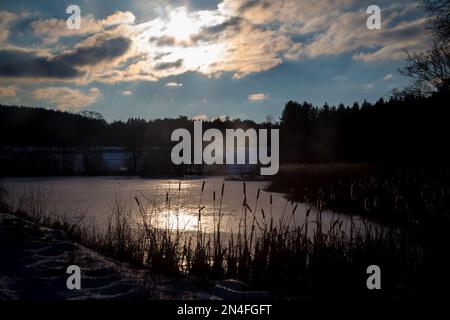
(34, 259)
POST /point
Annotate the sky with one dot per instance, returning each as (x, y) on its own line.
(203, 58)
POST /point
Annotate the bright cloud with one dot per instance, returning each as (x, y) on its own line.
(239, 37)
(6, 18)
(66, 98)
(56, 28)
(200, 117)
(174, 84)
(259, 97)
(8, 92)
(349, 33)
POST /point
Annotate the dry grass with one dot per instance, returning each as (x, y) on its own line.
(294, 258)
(395, 196)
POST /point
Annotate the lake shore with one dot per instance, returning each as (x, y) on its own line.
(35, 259)
(292, 258)
(406, 196)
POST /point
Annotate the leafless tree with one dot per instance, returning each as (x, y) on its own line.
(431, 69)
(439, 18)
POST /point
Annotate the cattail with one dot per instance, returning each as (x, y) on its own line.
(263, 214)
(376, 202)
(214, 195)
(200, 213)
(366, 204)
(334, 224)
(137, 201)
(245, 191)
(295, 208)
(291, 196)
(257, 194)
(292, 215)
(203, 186)
(270, 199)
(167, 197)
(223, 187)
(179, 185)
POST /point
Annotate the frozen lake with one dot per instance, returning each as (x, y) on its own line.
(176, 202)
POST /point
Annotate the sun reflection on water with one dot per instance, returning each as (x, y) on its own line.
(182, 220)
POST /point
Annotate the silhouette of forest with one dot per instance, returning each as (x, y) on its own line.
(411, 129)
(27, 126)
(37, 141)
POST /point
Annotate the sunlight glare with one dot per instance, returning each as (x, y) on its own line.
(181, 26)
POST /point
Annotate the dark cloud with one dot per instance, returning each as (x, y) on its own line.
(208, 33)
(410, 32)
(169, 65)
(163, 41)
(204, 4)
(16, 63)
(205, 34)
(249, 4)
(234, 23)
(196, 4)
(106, 50)
(161, 55)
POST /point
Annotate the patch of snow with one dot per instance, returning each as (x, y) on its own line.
(35, 259)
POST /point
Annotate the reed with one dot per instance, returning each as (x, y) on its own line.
(295, 258)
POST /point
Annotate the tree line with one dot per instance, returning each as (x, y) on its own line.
(28, 126)
(410, 128)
